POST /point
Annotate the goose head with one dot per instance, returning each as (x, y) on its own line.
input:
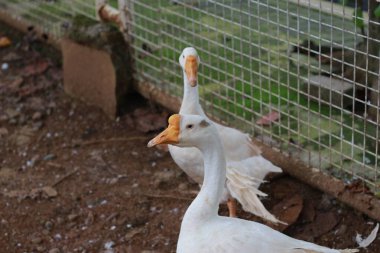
(185, 131)
(189, 61)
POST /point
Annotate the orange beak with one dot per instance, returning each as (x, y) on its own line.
(191, 70)
(170, 135)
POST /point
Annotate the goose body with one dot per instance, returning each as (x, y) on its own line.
(246, 168)
(244, 237)
(202, 229)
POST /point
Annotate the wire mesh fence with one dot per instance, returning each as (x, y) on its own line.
(301, 75)
(290, 72)
(52, 16)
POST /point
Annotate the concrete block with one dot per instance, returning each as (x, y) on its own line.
(97, 67)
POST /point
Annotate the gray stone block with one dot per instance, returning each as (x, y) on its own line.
(97, 65)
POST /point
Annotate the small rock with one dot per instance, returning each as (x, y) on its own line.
(49, 157)
(40, 248)
(109, 245)
(22, 137)
(52, 105)
(36, 240)
(162, 177)
(3, 118)
(37, 125)
(12, 121)
(45, 232)
(36, 116)
(3, 131)
(341, 230)
(48, 225)
(33, 161)
(4, 66)
(112, 180)
(12, 113)
(57, 237)
(55, 250)
(72, 217)
(49, 191)
(22, 140)
(7, 174)
(182, 187)
(60, 220)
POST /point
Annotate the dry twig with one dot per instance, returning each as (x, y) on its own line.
(75, 170)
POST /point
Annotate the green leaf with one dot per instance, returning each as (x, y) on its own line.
(343, 2)
(377, 11)
(358, 17)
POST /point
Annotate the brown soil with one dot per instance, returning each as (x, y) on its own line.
(103, 187)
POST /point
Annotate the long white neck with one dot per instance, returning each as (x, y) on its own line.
(190, 103)
(206, 204)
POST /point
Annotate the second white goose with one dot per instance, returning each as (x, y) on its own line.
(246, 168)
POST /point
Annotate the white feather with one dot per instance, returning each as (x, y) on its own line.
(364, 243)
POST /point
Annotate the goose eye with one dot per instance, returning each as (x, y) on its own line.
(183, 56)
(189, 126)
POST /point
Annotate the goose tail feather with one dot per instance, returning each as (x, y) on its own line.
(246, 192)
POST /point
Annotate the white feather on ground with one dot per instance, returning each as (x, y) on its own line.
(364, 243)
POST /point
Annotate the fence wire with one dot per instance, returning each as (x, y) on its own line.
(297, 74)
(300, 75)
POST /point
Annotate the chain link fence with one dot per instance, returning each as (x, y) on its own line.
(300, 75)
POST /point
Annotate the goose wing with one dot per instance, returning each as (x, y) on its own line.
(237, 145)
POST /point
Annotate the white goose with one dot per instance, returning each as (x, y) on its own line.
(202, 229)
(246, 168)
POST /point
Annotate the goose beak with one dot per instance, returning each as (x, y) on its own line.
(191, 70)
(170, 135)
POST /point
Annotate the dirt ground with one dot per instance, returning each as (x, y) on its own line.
(72, 180)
